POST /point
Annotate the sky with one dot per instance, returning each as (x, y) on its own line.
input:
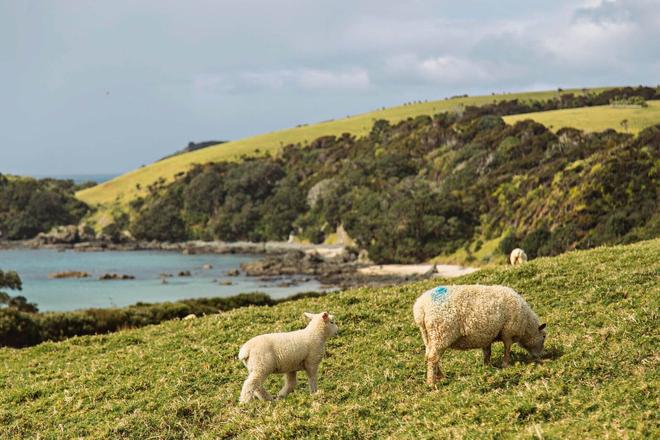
(89, 87)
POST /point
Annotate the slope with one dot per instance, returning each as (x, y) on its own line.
(127, 186)
(181, 379)
(597, 118)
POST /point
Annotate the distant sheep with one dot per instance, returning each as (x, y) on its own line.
(518, 256)
(475, 316)
(286, 353)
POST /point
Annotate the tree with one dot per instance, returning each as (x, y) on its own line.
(11, 280)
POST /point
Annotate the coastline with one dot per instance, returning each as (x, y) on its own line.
(335, 266)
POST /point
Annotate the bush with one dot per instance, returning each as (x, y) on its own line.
(20, 329)
(30, 206)
(535, 241)
(508, 243)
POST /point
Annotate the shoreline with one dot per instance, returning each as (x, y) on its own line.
(186, 247)
(334, 266)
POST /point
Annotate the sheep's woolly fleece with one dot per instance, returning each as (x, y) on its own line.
(474, 316)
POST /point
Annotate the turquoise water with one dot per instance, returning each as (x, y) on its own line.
(33, 266)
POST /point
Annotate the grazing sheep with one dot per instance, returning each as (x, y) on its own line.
(475, 316)
(286, 353)
(518, 256)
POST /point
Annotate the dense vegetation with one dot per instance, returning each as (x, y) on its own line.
(22, 327)
(123, 189)
(181, 379)
(427, 186)
(30, 206)
(11, 280)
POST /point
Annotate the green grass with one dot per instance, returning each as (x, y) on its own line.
(597, 118)
(181, 379)
(124, 188)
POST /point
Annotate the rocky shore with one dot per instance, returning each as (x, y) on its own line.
(333, 265)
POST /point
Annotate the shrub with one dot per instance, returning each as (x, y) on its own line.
(20, 329)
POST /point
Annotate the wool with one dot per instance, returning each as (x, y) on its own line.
(518, 256)
(286, 353)
(474, 316)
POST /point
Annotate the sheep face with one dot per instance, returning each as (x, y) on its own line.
(324, 320)
(534, 344)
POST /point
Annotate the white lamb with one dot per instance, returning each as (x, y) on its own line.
(475, 316)
(286, 353)
(518, 256)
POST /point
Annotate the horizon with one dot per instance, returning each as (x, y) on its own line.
(112, 86)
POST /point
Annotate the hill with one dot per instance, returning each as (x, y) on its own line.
(127, 186)
(597, 118)
(422, 188)
(181, 379)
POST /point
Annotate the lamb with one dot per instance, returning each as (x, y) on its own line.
(286, 353)
(474, 316)
(518, 256)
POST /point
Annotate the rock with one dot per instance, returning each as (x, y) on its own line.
(166, 275)
(60, 235)
(116, 276)
(363, 257)
(225, 282)
(233, 273)
(69, 274)
(189, 317)
(185, 273)
(207, 266)
(85, 232)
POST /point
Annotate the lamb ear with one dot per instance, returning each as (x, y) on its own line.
(325, 316)
(541, 327)
(308, 315)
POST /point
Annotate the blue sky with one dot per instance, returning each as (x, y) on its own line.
(106, 86)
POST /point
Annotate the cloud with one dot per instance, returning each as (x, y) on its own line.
(283, 79)
(354, 79)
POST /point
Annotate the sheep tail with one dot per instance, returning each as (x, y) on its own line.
(244, 354)
(419, 315)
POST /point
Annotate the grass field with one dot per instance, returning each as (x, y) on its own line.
(596, 118)
(181, 379)
(124, 188)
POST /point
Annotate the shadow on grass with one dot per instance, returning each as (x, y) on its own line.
(550, 353)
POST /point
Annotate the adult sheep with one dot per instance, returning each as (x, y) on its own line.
(518, 256)
(475, 316)
(286, 353)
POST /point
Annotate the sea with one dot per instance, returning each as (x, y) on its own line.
(148, 268)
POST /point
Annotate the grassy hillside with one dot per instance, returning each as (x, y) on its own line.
(125, 187)
(595, 118)
(181, 379)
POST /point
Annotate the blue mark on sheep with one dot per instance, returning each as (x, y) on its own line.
(439, 294)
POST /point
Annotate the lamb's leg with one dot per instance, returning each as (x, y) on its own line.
(433, 373)
(289, 384)
(253, 386)
(247, 392)
(486, 355)
(312, 374)
(507, 351)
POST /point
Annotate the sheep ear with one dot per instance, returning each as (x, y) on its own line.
(308, 315)
(325, 316)
(541, 327)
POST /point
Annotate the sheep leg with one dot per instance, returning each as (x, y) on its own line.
(253, 386)
(486, 351)
(289, 384)
(312, 374)
(507, 351)
(433, 373)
